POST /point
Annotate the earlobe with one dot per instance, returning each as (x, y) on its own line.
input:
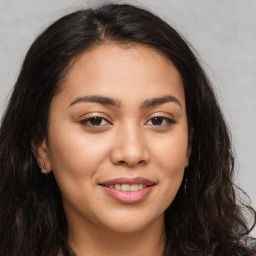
(40, 150)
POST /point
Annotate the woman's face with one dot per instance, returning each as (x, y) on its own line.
(118, 137)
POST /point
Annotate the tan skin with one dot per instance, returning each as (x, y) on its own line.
(131, 137)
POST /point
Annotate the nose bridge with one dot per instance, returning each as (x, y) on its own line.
(131, 147)
(132, 138)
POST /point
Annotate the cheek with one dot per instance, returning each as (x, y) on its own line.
(171, 159)
(75, 159)
(171, 153)
(75, 154)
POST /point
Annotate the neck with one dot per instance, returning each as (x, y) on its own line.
(93, 240)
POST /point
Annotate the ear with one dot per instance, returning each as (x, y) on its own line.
(189, 148)
(40, 150)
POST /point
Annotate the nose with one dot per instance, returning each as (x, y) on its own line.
(130, 147)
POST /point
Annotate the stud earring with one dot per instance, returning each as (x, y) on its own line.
(43, 169)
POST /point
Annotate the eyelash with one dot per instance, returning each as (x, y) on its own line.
(89, 119)
(168, 121)
(85, 122)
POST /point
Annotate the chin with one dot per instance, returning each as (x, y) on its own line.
(131, 222)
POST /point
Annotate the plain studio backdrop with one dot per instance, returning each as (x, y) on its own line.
(223, 32)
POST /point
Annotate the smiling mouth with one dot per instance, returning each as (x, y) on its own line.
(128, 193)
(128, 190)
(128, 187)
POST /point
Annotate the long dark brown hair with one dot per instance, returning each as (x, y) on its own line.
(206, 218)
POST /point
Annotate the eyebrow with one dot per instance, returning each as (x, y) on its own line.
(158, 101)
(97, 99)
(117, 103)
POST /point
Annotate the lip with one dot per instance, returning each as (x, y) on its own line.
(128, 197)
(130, 181)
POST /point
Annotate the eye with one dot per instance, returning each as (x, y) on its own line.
(160, 121)
(95, 121)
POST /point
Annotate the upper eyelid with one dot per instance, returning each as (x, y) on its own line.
(108, 118)
(169, 120)
(161, 114)
(88, 119)
(95, 114)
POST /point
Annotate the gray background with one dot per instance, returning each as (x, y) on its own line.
(222, 31)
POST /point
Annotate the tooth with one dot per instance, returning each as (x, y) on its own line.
(140, 186)
(125, 187)
(118, 187)
(134, 187)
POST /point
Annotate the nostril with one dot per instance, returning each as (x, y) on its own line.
(141, 162)
(126, 163)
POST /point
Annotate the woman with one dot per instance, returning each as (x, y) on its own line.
(113, 144)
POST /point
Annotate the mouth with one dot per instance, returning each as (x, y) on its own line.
(127, 190)
(128, 184)
(128, 187)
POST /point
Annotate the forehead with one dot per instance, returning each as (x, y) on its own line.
(120, 71)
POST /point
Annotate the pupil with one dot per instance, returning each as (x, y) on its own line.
(157, 120)
(96, 120)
